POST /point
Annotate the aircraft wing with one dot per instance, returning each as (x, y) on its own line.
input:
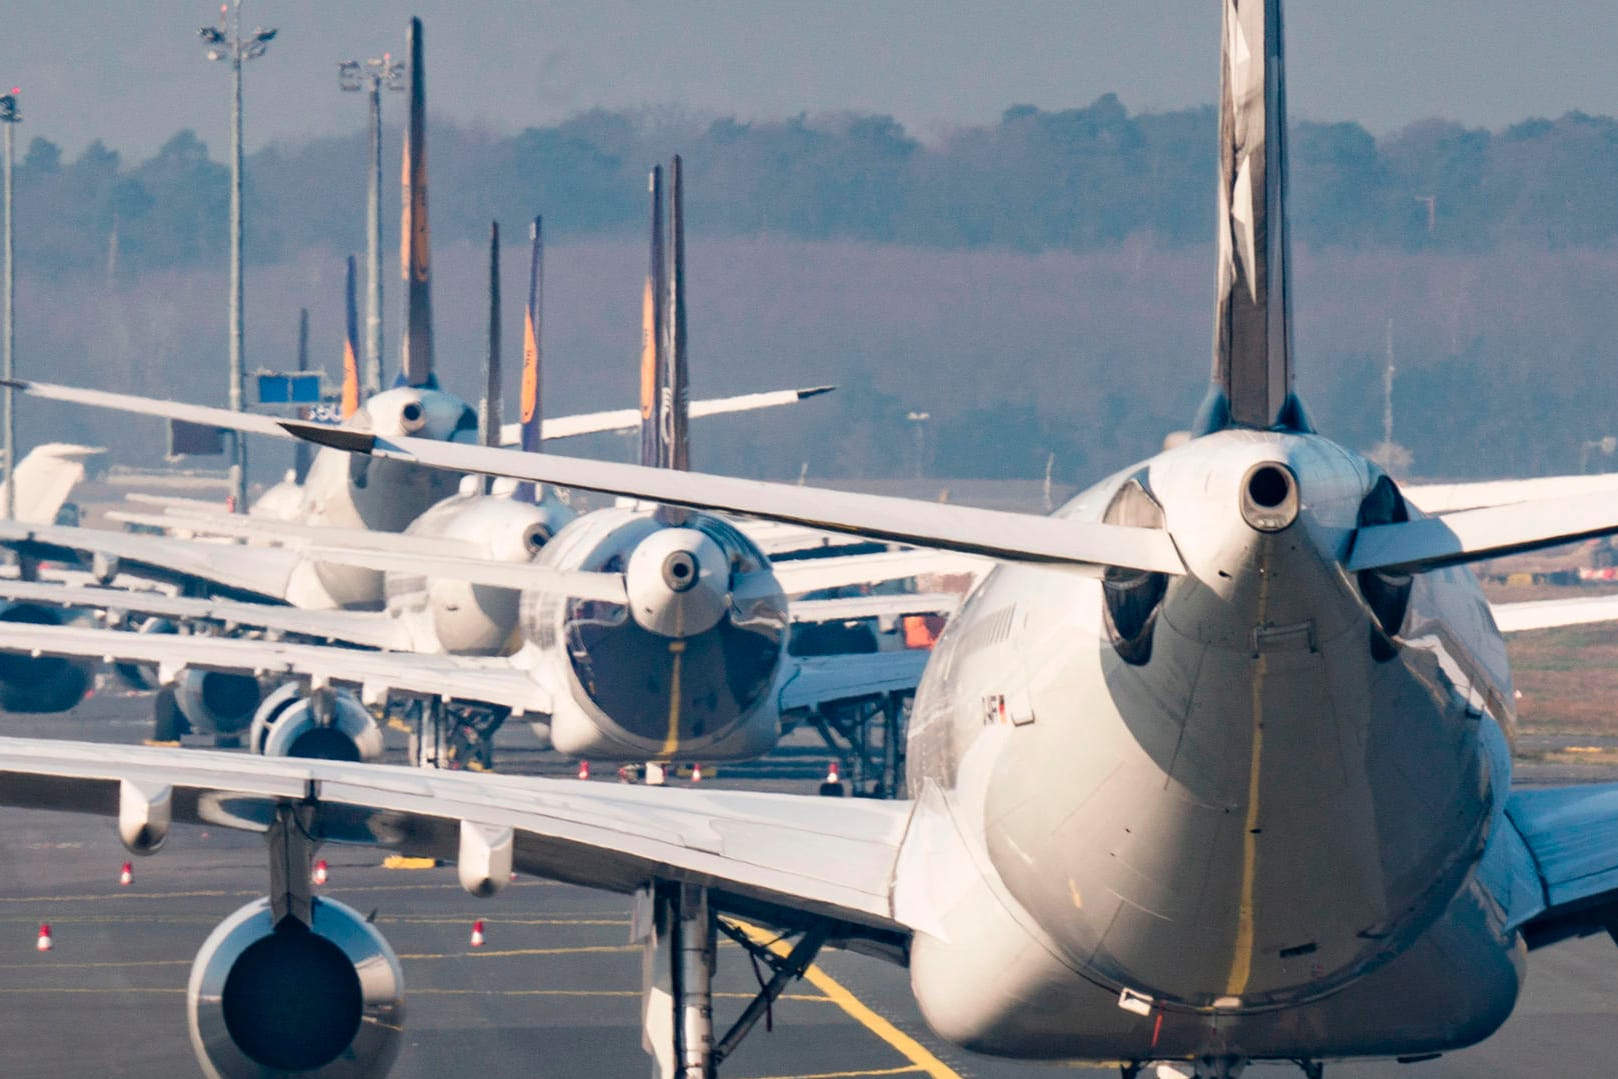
(896, 606)
(1569, 841)
(1018, 537)
(813, 683)
(1549, 613)
(629, 419)
(777, 855)
(375, 675)
(250, 572)
(842, 571)
(291, 533)
(369, 629)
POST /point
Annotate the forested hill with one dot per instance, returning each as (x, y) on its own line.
(1073, 180)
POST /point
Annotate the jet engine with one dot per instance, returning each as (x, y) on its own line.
(475, 619)
(41, 683)
(324, 1000)
(336, 727)
(220, 703)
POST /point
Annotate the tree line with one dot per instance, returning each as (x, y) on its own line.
(1070, 180)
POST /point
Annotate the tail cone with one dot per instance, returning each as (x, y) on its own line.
(45, 943)
(477, 933)
(126, 876)
(320, 874)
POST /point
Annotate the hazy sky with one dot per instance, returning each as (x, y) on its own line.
(131, 72)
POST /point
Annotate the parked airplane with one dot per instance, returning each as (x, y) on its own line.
(1214, 767)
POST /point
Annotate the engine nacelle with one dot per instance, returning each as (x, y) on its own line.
(43, 683)
(217, 702)
(324, 1001)
(289, 724)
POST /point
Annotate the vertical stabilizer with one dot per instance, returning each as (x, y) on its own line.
(351, 349)
(653, 449)
(528, 405)
(674, 400)
(489, 421)
(416, 367)
(1252, 373)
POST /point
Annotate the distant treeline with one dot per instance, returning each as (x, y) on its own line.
(1074, 180)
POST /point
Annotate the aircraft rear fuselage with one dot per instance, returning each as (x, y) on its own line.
(1232, 792)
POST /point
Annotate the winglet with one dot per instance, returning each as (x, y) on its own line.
(1252, 368)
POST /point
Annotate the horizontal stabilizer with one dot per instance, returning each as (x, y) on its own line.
(1453, 539)
(1012, 537)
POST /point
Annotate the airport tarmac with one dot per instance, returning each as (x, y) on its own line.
(553, 992)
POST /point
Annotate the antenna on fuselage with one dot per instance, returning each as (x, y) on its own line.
(528, 404)
(416, 349)
(1252, 368)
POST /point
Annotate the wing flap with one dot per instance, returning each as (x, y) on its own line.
(1572, 835)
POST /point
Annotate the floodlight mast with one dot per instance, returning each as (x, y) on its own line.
(372, 76)
(226, 43)
(10, 117)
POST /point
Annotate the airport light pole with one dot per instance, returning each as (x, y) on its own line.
(227, 45)
(10, 117)
(372, 75)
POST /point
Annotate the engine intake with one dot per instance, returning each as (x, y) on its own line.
(40, 683)
(324, 1000)
(288, 724)
(219, 702)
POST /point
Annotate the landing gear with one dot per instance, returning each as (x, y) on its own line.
(168, 722)
(679, 932)
(453, 735)
(868, 735)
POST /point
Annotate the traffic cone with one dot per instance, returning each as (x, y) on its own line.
(477, 933)
(320, 874)
(831, 773)
(696, 773)
(584, 769)
(126, 876)
(45, 943)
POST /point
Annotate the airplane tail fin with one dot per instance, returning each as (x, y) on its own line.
(490, 420)
(528, 406)
(46, 477)
(674, 401)
(351, 345)
(416, 367)
(653, 449)
(1252, 368)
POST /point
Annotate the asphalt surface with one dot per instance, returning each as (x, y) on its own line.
(553, 992)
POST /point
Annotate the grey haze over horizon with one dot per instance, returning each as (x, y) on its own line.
(132, 75)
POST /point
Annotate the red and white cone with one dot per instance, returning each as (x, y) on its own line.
(696, 773)
(832, 775)
(477, 933)
(320, 873)
(126, 876)
(584, 769)
(45, 943)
